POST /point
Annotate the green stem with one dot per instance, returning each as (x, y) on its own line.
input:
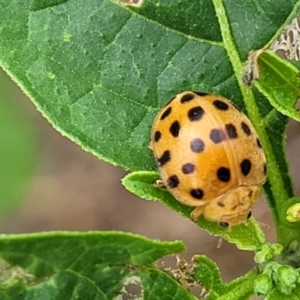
(284, 234)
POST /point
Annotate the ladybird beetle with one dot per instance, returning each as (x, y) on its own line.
(209, 156)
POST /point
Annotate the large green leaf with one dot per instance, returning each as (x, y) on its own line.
(93, 265)
(100, 72)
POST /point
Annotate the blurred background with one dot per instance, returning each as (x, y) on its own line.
(49, 183)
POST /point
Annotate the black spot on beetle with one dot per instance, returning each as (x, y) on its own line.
(201, 94)
(265, 169)
(173, 181)
(166, 157)
(221, 204)
(231, 131)
(187, 97)
(166, 113)
(245, 128)
(217, 136)
(197, 145)
(157, 136)
(188, 168)
(197, 193)
(224, 224)
(175, 128)
(221, 105)
(246, 167)
(258, 143)
(223, 174)
(195, 113)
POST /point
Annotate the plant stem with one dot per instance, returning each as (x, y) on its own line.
(276, 184)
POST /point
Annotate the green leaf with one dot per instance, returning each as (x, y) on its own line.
(208, 275)
(279, 81)
(247, 237)
(263, 284)
(286, 279)
(17, 148)
(41, 4)
(100, 72)
(173, 15)
(158, 285)
(267, 253)
(94, 265)
(276, 295)
(253, 25)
